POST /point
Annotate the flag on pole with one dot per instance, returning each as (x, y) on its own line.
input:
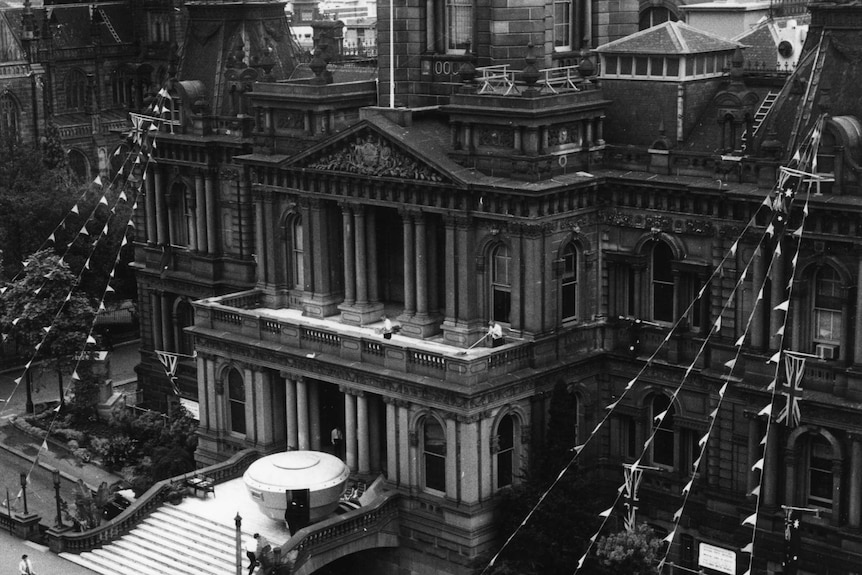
(792, 390)
(792, 542)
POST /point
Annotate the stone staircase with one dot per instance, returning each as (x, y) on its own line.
(171, 541)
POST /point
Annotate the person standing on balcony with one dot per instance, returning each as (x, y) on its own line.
(495, 332)
(387, 328)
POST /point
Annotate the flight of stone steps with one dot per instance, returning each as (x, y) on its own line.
(171, 541)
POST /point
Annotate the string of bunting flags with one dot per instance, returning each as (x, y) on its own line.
(143, 135)
(800, 175)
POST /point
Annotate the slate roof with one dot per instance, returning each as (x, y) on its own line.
(668, 39)
(760, 45)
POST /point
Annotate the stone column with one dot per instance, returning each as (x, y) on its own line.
(350, 430)
(790, 458)
(200, 212)
(250, 407)
(371, 259)
(375, 450)
(362, 433)
(392, 441)
(211, 214)
(211, 405)
(264, 431)
(361, 259)
(349, 262)
(470, 448)
(753, 451)
(161, 209)
(314, 416)
(758, 278)
(451, 459)
(779, 294)
(270, 235)
(486, 466)
(854, 502)
(451, 273)
(405, 453)
(156, 320)
(409, 266)
(150, 200)
(421, 266)
(302, 414)
(770, 467)
(837, 495)
(167, 332)
(290, 408)
(203, 391)
(261, 248)
(857, 349)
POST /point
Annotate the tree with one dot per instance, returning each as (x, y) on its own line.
(630, 553)
(35, 194)
(44, 312)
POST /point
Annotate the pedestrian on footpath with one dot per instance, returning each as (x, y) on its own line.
(25, 567)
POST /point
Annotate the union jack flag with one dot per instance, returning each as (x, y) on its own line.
(792, 390)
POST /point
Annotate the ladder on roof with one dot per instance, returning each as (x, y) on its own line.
(763, 111)
(110, 26)
(804, 112)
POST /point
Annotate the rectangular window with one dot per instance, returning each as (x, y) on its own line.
(641, 66)
(656, 64)
(625, 66)
(611, 65)
(820, 475)
(459, 25)
(562, 25)
(672, 67)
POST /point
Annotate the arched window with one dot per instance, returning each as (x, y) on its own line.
(185, 318)
(505, 447)
(569, 283)
(79, 164)
(819, 472)
(434, 455)
(655, 15)
(297, 254)
(9, 116)
(180, 216)
(662, 282)
(236, 400)
(501, 283)
(76, 90)
(827, 314)
(663, 440)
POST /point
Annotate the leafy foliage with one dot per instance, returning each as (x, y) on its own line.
(557, 533)
(36, 192)
(43, 312)
(630, 553)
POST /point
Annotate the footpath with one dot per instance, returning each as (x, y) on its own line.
(32, 457)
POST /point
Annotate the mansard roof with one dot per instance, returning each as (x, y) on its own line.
(670, 38)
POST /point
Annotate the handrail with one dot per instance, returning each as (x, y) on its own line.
(78, 542)
(308, 541)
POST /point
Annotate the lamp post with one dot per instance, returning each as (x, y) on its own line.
(30, 407)
(238, 521)
(59, 522)
(24, 491)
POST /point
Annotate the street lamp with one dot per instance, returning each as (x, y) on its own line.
(59, 522)
(30, 407)
(238, 521)
(24, 491)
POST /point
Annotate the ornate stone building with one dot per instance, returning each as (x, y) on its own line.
(625, 255)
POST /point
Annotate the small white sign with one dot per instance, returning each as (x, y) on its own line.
(193, 407)
(718, 558)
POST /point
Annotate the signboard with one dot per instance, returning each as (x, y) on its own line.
(193, 407)
(712, 557)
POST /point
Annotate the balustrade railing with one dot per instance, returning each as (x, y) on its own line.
(78, 542)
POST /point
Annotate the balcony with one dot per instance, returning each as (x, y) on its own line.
(242, 318)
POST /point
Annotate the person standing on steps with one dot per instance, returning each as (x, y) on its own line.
(25, 567)
(250, 549)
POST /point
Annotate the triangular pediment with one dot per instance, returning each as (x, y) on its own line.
(367, 150)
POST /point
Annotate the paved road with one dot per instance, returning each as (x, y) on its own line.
(44, 562)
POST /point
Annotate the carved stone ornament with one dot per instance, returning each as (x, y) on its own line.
(370, 155)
